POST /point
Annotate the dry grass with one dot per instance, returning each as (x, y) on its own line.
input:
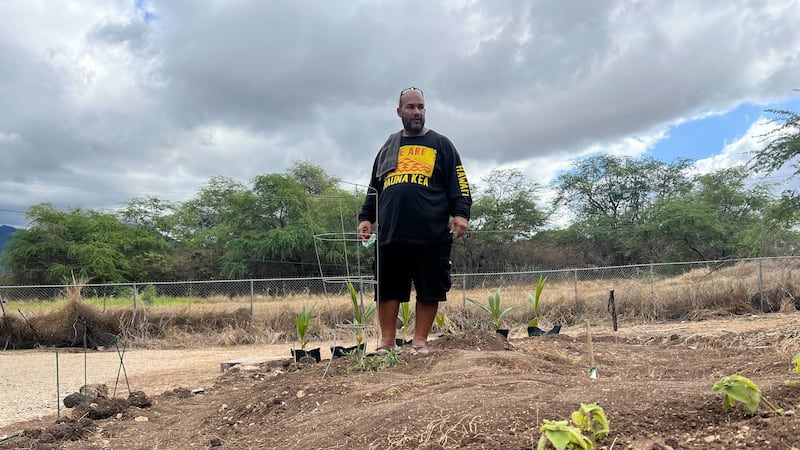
(695, 295)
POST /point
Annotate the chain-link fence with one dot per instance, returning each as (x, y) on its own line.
(651, 289)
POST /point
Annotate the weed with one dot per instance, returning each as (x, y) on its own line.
(149, 294)
(357, 363)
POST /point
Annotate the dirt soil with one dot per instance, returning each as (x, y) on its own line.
(477, 391)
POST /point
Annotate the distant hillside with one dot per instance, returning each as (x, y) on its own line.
(5, 235)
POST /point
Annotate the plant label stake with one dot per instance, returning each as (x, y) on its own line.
(590, 350)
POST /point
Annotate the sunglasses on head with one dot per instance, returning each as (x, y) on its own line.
(412, 88)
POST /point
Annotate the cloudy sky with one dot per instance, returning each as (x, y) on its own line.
(102, 101)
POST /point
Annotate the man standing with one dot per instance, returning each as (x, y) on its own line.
(420, 198)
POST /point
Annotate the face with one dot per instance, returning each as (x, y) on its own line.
(412, 112)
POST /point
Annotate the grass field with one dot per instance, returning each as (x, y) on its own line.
(165, 321)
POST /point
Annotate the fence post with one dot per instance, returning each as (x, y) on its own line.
(252, 310)
(134, 298)
(575, 273)
(761, 285)
(652, 290)
(463, 292)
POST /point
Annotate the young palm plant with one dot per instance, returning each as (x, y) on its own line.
(302, 321)
(360, 315)
(493, 309)
(533, 300)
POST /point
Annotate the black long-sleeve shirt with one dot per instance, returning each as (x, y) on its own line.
(415, 201)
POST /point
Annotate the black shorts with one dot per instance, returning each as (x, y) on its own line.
(428, 266)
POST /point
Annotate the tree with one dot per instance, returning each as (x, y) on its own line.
(83, 243)
(783, 146)
(609, 196)
(505, 203)
(312, 177)
(504, 212)
(722, 216)
(614, 191)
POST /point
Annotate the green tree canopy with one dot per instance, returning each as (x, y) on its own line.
(84, 243)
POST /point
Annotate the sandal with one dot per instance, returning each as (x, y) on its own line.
(384, 350)
(420, 349)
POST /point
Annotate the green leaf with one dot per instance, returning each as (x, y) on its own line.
(302, 322)
(593, 419)
(563, 436)
(796, 361)
(533, 300)
(741, 389)
(493, 309)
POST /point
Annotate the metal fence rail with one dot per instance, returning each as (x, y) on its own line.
(647, 285)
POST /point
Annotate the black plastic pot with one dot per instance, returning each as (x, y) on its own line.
(536, 331)
(307, 356)
(338, 351)
(503, 332)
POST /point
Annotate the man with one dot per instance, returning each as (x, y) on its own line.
(420, 198)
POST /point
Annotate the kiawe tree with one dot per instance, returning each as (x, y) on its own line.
(609, 197)
(84, 243)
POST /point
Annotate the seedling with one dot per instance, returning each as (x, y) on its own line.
(796, 361)
(592, 419)
(442, 322)
(493, 309)
(562, 436)
(741, 389)
(303, 320)
(533, 300)
(360, 315)
(404, 315)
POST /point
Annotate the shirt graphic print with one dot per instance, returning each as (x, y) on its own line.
(414, 165)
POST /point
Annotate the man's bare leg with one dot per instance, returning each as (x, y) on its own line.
(387, 316)
(426, 314)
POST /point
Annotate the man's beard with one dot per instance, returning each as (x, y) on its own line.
(411, 127)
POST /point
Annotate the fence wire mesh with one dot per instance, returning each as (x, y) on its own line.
(765, 284)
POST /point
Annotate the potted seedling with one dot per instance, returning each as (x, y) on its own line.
(533, 301)
(404, 317)
(494, 311)
(302, 322)
(360, 318)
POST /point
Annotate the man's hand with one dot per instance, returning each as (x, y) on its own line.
(365, 230)
(458, 227)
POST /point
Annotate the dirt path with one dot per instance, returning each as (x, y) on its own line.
(28, 377)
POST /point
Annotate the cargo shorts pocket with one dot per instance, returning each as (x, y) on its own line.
(445, 269)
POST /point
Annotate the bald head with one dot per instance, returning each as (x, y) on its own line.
(412, 90)
(411, 110)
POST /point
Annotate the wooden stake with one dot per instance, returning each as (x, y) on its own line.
(590, 350)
